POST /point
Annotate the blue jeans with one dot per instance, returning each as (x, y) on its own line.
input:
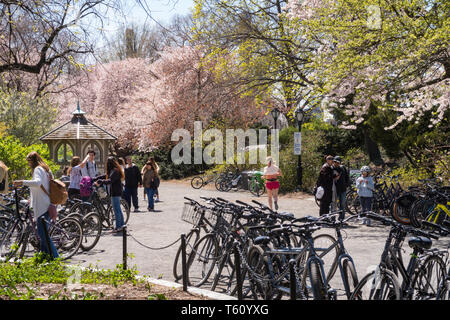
(115, 202)
(341, 198)
(150, 192)
(366, 203)
(42, 238)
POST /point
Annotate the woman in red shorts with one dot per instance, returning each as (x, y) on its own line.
(271, 174)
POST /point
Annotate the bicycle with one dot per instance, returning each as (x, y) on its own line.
(383, 283)
(256, 183)
(198, 182)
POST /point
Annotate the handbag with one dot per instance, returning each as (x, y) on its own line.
(319, 193)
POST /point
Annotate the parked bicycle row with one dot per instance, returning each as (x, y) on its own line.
(78, 227)
(426, 202)
(280, 255)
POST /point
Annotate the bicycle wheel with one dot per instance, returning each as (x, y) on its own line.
(191, 239)
(256, 188)
(382, 285)
(428, 278)
(66, 235)
(202, 259)
(318, 287)
(350, 277)
(12, 238)
(125, 210)
(92, 230)
(327, 249)
(197, 182)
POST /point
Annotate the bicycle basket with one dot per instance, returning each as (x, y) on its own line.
(211, 216)
(190, 213)
(102, 194)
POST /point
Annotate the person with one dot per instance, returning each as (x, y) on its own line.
(150, 173)
(75, 173)
(3, 177)
(121, 163)
(364, 188)
(325, 180)
(152, 160)
(114, 177)
(65, 176)
(91, 167)
(342, 182)
(40, 201)
(271, 174)
(133, 180)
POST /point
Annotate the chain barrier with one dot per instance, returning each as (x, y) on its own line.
(151, 248)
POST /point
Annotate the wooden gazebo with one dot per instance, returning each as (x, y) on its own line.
(75, 138)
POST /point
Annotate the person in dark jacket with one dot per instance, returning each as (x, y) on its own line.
(114, 177)
(342, 182)
(133, 180)
(325, 181)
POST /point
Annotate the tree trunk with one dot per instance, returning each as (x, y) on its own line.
(371, 148)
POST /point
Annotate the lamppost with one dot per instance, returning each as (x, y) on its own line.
(275, 114)
(299, 115)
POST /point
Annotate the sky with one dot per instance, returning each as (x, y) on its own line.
(160, 10)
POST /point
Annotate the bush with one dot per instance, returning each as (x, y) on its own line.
(13, 153)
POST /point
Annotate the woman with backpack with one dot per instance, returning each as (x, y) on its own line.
(75, 173)
(114, 177)
(40, 201)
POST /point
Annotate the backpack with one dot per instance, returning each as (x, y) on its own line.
(86, 186)
(57, 191)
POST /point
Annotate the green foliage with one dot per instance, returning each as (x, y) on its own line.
(21, 280)
(25, 117)
(13, 153)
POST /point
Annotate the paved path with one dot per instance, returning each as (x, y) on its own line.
(161, 228)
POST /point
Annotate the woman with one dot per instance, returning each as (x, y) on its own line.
(326, 181)
(365, 188)
(271, 174)
(149, 181)
(75, 174)
(40, 201)
(114, 177)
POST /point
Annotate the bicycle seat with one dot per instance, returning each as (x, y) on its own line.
(264, 240)
(420, 242)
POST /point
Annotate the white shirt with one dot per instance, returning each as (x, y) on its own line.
(272, 170)
(39, 200)
(90, 169)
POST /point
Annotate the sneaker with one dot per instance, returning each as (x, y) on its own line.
(136, 210)
(276, 205)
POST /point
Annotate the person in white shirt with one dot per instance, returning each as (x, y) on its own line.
(271, 174)
(40, 201)
(91, 167)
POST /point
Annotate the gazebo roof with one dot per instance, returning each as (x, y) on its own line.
(78, 128)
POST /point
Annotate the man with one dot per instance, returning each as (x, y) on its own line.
(325, 180)
(342, 181)
(91, 167)
(133, 180)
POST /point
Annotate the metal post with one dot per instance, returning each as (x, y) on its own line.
(124, 247)
(47, 237)
(293, 282)
(237, 264)
(183, 262)
(299, 164)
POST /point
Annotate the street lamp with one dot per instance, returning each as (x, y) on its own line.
(299, 115)
(275, 114)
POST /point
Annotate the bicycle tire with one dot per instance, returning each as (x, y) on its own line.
(329, 255)
(318, 287)
(190, 241)
(423, 279)
(197, 182)
(204, 251)
(92, 231)
(66, 235)
(387, 282)
(349, 276)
